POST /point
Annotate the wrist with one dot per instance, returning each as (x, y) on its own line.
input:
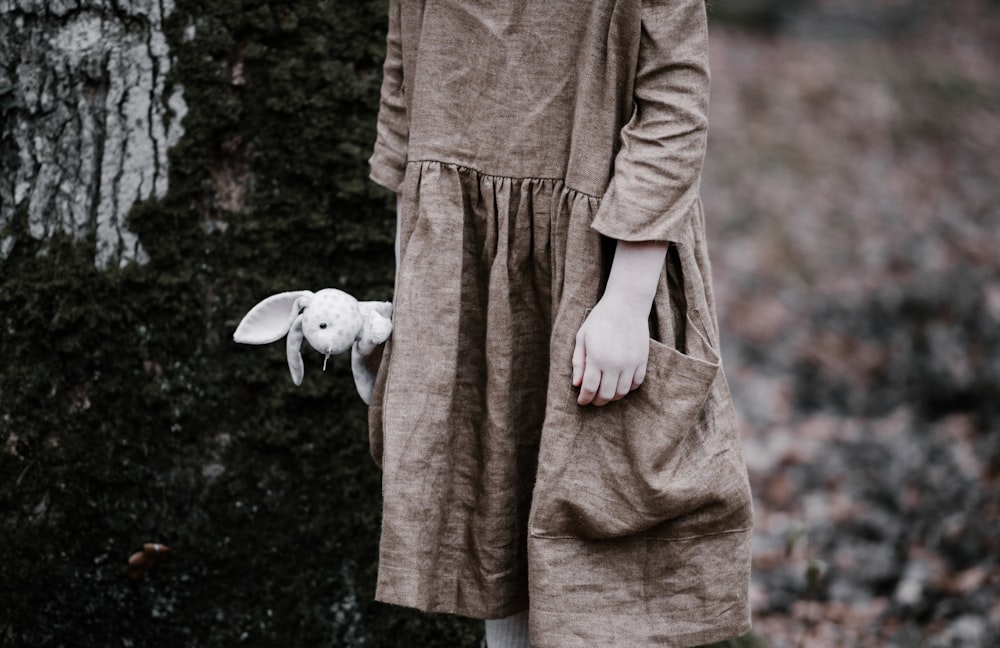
(635, 300)
(635, 274)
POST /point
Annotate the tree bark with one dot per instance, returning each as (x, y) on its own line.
(85, 122)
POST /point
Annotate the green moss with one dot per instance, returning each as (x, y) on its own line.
(128, 415)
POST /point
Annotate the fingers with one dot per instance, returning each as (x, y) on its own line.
(588, 379)
(640, 376)
(590, 384)
(599, 388)
(601, 383)
(608, 391)
(626, 383)
(579, 356)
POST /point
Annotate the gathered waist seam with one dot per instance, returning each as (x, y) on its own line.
(482, 173)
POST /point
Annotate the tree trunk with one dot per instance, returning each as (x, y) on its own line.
(87, 121)
(128, 417)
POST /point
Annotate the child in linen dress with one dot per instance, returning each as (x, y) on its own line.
(554, 429)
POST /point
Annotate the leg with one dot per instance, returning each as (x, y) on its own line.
(511, 632)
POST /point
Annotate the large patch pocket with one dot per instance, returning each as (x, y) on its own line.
(665, 462)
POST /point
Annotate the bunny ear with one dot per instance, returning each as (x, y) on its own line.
(364, 377)
(293, 347)
(271, 318)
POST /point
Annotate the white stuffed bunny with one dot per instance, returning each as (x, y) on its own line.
(331, 320)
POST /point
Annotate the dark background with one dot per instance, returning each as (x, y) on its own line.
(851, 191)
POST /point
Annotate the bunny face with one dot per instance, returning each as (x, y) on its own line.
(332, 322)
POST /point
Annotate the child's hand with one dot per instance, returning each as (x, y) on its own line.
(612, 348)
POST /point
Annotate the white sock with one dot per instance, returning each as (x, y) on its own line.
(511, 632)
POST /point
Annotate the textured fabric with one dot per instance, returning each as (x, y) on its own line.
(522, 136)
(511, 632)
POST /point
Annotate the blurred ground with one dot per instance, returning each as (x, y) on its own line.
(852, 190)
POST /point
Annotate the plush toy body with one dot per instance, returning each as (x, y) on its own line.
(330, 320)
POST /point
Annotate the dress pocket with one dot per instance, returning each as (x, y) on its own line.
(661, 463)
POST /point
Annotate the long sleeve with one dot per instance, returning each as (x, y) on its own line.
(388, 160)
(657, 170)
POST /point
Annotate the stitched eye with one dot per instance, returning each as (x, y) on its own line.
(323, 325)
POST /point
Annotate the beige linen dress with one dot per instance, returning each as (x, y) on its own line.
(522, 137)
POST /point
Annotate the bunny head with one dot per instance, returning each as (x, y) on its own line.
(330, 320)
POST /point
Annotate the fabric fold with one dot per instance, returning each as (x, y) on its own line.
(388, 160)
(477, 275)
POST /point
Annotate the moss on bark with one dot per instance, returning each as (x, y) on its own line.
(127, 413)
